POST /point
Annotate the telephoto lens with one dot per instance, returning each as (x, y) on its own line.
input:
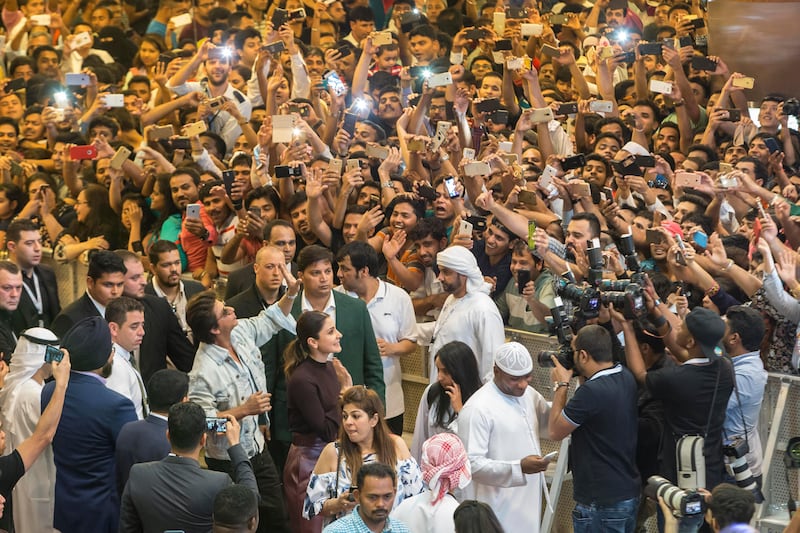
(683, 502)
(736, 463)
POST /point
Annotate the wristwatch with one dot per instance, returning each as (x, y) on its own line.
(558, 384)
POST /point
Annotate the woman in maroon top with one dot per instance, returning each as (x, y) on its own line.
(314, 381)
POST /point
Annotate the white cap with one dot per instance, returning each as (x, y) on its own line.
(513, 359)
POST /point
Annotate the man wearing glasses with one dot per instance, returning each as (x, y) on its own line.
(228, 378)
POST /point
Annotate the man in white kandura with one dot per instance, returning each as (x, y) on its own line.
(468, 314)
(500, 427)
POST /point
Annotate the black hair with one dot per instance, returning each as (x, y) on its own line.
(159, 247)
(730, 504)
(376, 470)
(594, 223)
(200, 316)
(312, 254)
(186, 423)
(472, 516)
(274, 223)
(748, 323)
(459, 361)
(595, 341)
(105, 262)
(117, 310)
(361, 255)
(361, 13)
(234, 507)
(243, 35)
(267, 192)
(428, 226)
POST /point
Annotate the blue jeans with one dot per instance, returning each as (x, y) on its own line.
(618, 517)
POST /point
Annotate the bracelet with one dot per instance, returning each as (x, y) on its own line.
(728, 266)
(292, 296)
(679, 103)
(713, 290)
(387, 185)
(658, 321)
(558, 384)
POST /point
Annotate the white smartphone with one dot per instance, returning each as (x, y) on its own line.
(468, 154)
(505, 146)
(193, 211)
(181, 20)
(499, 20)
(465, 228)
(662, 87)
(195, 128)
(440, 80)
(601, 106)
(41, 20)
(77, 79)
(514, 63)
(382, 38)
(544, 114)
(114, 100)
(81, 39)
(550, 456)
(477, 168)
(529, 30)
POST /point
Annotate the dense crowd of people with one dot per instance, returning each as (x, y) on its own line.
(277, 202)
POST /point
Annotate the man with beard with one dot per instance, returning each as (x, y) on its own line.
(390, 108)
(580, 231)
(33, 129)
(197, 232)
(429, 238)
(217, 64)
(468, 314)
(298, 210)
(48, 62)
(216, 205)
(86, 496)
(668, 139)
(163, 333)
(374, 490)
(166, 283)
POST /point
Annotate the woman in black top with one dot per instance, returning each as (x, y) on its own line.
(314, 381)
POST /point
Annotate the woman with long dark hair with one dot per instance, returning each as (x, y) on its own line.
(363, 438)
(314, 380)
(457, 379)
(473, 516)
(97, 226)
(168, 225)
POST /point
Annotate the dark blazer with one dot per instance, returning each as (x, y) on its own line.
(359, 355)
(162, 333)
(243, 278)
(72, 314)
(83, 452)
(163, 336)
(191, 288)
(140, 442)
(176, 494)
(26, 315)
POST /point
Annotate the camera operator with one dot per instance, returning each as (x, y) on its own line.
(694, 393)
(601, 417)
(742, 342)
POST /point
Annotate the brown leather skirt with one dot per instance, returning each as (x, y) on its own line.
(299, 465)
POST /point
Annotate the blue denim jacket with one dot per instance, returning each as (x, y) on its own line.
(218, 383)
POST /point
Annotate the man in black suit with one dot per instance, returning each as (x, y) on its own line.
(104, 282)
(39, 303)
(278, 233)
(166, 283)
(146, 440)
(163, 334)
(191, 489)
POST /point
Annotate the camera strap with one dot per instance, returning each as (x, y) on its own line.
(713, 400)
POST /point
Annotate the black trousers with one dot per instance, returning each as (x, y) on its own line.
(272, 507)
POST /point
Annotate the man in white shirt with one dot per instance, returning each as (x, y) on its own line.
(392, 315)
(125, 317)
(468, 315)
(500, 426)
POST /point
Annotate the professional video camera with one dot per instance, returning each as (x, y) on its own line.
(562, 329)
(683, 502)
(585, 299)
(736, 464)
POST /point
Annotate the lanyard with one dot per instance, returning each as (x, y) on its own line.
(35, 298)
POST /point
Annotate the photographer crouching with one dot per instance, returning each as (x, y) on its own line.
(694, 394)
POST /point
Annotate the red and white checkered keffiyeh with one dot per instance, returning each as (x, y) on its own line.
(445, 465)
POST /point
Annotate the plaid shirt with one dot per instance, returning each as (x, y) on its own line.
(353, 523)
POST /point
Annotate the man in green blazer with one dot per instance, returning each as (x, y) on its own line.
(359, 355)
